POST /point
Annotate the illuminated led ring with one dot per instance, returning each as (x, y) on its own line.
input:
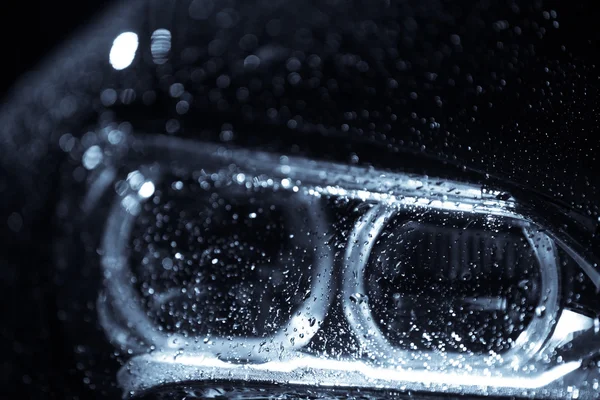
(127, 324)
(377, 347)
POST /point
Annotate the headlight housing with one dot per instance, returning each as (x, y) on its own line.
(223, 265)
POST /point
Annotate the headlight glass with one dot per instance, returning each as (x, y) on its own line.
(460, 285)
(223, 265)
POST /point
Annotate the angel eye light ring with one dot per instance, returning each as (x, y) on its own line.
(372, 339)
(121, 297)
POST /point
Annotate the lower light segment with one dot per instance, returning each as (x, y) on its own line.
(147, 371)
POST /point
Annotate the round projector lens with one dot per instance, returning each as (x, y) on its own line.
(452, 285)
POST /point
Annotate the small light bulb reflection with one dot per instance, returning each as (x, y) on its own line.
(146, 190)
(160, 45)
(122, 52)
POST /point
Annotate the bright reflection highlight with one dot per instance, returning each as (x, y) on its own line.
(331, 372)
(569, 324)
(160, 45)
(123, 50)
(146, 190)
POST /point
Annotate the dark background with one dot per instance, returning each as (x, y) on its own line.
(31, 29)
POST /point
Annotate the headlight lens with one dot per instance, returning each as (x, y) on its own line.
(224, 265)
(470, 285)
(230, 263)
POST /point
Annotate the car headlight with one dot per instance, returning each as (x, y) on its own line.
(314, 199)
(223, 268)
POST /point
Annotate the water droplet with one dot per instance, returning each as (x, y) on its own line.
(540, 311)
(92, 157)
(358, 298)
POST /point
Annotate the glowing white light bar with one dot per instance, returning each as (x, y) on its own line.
(122, 52)
(332, 373)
